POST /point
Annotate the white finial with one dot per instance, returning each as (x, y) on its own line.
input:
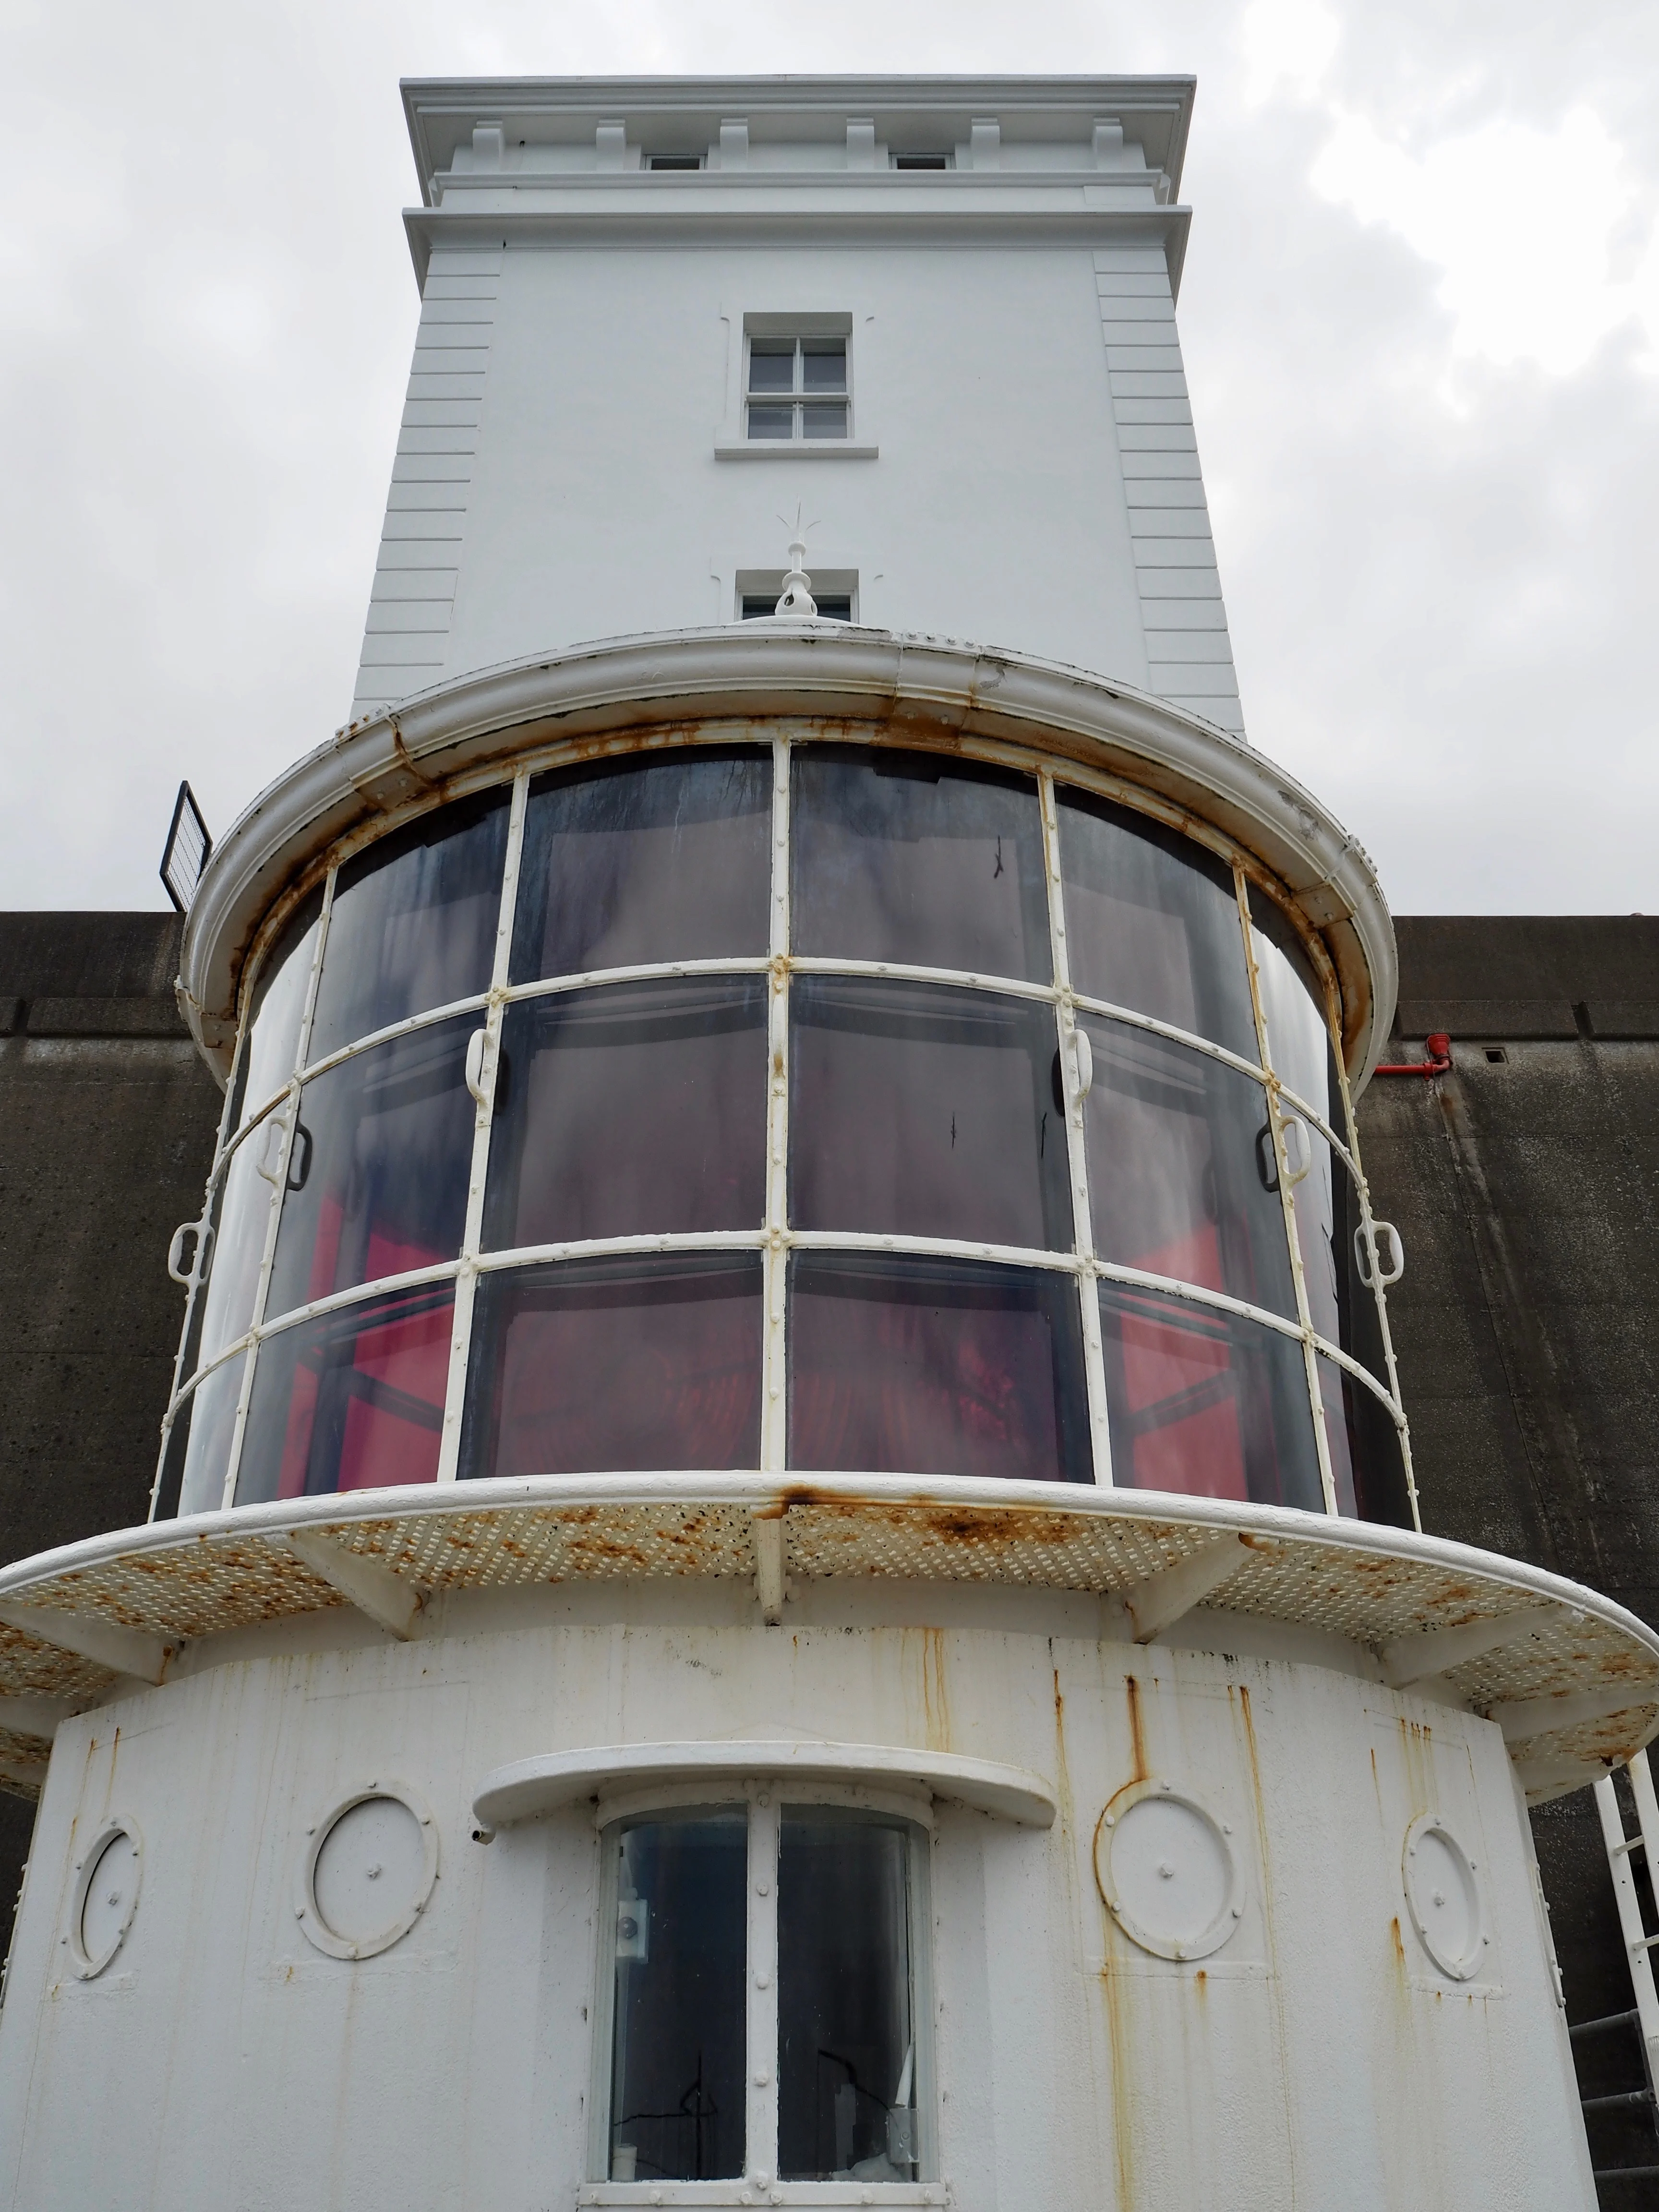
(798, 600)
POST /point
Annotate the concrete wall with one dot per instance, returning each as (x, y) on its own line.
(1527, 1191)
(106, 1121)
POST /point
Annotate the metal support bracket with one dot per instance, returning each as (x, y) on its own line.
(1526, 1717)
(384, 1598)
(1414, 1658)
(122, 1650)
(1161, 1600)
(771, 1587)
(35, 1716)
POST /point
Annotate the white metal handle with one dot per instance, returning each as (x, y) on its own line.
(475, 1061)
(176, 1268)
(1085, 1054)
(264, 1160)
(1372, 1270)
(1299, 1151)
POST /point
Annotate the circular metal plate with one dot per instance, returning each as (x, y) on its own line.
(106, 1897)
(1167, 1871)
(1443, 1893)
(368, 1873)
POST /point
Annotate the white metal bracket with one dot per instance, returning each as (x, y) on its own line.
(1414, 1658)
(35, 1716)
(389, 1601)
(771, 1587)
(122, 1650)
(1526, 1717)
(1161, 1600)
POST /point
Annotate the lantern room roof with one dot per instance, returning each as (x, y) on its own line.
(858, 682)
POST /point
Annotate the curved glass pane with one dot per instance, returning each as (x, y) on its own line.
(917, 858)
(608, 1366)
(915, 1366)
(917, 1109)
(678, 2100)
(667, 857)
(1181, 1176)
(240, 1216)
(636, 1110)
(1205, 1403)
(353, 1401)
(199, 1444)
(847, 2040)
(1293, 1006)
(1326, 1205)
(413, 924)
(1152, 922)
(1367, 1463)
(271, 1042)
(377, 1178)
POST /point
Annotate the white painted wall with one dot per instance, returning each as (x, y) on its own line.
(1319, 2059)
(1036, 485)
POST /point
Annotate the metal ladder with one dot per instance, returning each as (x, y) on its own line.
(1639, 1948)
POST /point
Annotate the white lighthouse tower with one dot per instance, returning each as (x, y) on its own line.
(784, 1567)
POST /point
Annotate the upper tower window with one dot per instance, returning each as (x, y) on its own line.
(923, 161)
(797, 387)
(673, 160)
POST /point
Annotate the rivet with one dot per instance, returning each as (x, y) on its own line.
(763, 1980)
(299, 1912)
(1166, 1786)
(1238, 1912)
(1111, 1819)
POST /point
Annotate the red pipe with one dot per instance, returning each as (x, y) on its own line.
(1438, 1061)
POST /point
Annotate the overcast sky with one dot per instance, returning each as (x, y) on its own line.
(1421, 320)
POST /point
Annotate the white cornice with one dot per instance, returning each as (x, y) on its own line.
(815, 210)
(902, 685)
(1156, 111)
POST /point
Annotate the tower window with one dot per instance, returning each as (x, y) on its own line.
(674, 161)
(797, 387)
(762, 1991)
(922, 161)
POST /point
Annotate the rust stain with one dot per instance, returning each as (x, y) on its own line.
(1121, 2046)
(1137, 1728)
(935, 1693)
(1247, 1720)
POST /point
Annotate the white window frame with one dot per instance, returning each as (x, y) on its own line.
(775, 1239)
(733, 441)
(765, 1799)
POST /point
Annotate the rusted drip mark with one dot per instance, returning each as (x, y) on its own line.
(1137, 1729)
(935, 1695)
(1281, 2036)
(1120, 2044)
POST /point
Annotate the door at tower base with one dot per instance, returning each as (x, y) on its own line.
(1278, 1944)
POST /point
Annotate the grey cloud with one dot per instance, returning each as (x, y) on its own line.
(1441, 618)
